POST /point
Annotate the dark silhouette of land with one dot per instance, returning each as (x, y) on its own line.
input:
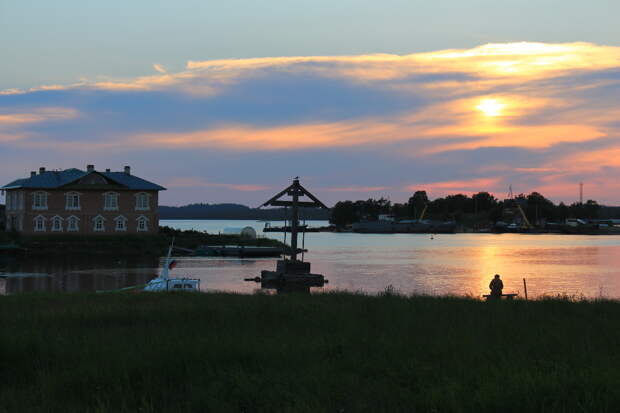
(477, 210)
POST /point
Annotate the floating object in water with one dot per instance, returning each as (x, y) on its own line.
(238, 251)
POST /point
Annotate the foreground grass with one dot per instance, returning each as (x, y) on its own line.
(328, 352)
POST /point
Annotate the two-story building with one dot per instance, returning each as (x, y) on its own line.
(73, 201)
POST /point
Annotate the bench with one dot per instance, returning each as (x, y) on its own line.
(508, 296)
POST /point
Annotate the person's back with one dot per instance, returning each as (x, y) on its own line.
(496, 286)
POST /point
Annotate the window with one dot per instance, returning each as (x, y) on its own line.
(39, 224)
(57, 223)
(12, 200)
(143, 223)
(20, 203)
(72, 201)
(110, 202)
(99, 223)
(73, 223)
(39, 201)
(121, 223)
(142, 201)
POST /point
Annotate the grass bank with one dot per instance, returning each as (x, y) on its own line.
(126, 244)
(328, 352)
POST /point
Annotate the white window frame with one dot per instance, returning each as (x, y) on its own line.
(118, 220)
(43, 198)
(70, 196)
(39, 219)
(147, 199)
(55, 219)
(96, 220)
(112, 196)
(70, 224)
(145, 220)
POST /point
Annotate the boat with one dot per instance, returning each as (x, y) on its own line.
(165, 283)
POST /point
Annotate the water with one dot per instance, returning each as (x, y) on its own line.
(410, 263)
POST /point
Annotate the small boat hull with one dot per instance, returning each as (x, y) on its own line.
(173, 284)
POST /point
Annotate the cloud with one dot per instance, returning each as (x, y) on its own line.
(357, 188)
(469, 186)
(535, 115)
(201, 183)
(160, 68)
(38, 115)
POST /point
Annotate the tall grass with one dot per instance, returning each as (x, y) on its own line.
(327, 352)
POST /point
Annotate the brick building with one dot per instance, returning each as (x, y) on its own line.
(82, 202)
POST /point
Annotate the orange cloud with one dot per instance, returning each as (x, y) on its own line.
(38, 115)
(505, 63)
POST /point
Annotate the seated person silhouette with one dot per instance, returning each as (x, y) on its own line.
(496, 287)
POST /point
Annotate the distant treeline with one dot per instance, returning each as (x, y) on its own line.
(479, 208)
(234, 211)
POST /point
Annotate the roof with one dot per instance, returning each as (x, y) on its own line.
(57, 179)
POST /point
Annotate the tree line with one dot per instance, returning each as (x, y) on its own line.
(479, 208)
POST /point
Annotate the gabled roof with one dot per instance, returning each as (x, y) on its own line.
(132, 181)
(57, 179)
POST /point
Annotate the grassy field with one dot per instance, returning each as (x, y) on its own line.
(327, 352)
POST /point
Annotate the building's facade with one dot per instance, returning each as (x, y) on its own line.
(2, 218)
(82, 202)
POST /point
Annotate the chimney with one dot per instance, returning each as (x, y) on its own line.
(128, 170)
(107, 169)
(33, 173)
(41, 170)
(90, 168)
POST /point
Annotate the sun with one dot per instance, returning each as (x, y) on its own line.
(490, 107)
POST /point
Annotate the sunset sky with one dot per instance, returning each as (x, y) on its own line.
(226, 101)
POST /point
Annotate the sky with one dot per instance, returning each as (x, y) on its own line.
(226, 101)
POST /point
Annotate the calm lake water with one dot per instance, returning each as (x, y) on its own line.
(410, 263)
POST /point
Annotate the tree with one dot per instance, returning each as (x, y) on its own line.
(484, 202)
(344, 213)
(417, 203)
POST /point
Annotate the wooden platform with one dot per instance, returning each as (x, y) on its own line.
(290, 271)
(506, 296)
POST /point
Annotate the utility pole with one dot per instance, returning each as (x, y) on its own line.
(581, 193)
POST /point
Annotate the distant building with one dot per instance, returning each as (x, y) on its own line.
(82, 202)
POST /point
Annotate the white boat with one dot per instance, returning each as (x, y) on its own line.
(165, 283)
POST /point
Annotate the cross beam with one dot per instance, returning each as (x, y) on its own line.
(295, 190)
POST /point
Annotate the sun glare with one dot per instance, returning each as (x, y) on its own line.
(490, 107)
